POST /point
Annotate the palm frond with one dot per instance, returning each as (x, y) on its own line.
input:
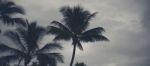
(36, 31)
(79, 45)
(19, 21)
(60, 34)
(63, 27)
(97, 30)
(56, 56)
(22, 32)
(8, 58)
(11, 21)
(54, 30)
(11, 8)
(92, 38)
(62, 37)
(50, 46)
(34, 35)
(9, 3)
(94, 34)
(6, 19)
(4, 48)
(12, 35)
(44, 60)
(91, 16)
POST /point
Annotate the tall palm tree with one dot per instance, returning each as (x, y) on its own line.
(27, 41)
(80, 64)
(8, 8)
(74, 26)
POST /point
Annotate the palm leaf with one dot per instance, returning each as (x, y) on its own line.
(62, 37)
(6, 19)
(36, 31)
(97, 30)
(63, 27)
(79, 45)
(51, 46)
(8, 58)
(12, 35)
(4, 48)
(94, 34)
(19, 21)
(11, 7)
(44, 60)
(91, 16)
(9, 3)
(92, 38)
(34, 35)
(11, 21)
(60, 34)
(57, 56)
(55, 30)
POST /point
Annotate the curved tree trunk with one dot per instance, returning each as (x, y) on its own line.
(73, 54)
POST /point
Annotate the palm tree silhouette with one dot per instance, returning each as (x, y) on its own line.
(7, 8)
(80, 64)
(74, 26)
(28, 40)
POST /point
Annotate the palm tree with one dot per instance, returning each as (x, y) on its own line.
(8, 8)
(27, 41)
(10, 57)
(80, 64)
(74, 26)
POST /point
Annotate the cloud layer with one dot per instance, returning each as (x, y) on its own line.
(126, 23)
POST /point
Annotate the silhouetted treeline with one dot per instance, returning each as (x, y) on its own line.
(28, 36)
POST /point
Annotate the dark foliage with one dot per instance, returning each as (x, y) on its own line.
(74, 26)
(80, 64)
(27, 41)
(8, 8)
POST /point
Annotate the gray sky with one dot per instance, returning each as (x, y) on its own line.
(126, 23)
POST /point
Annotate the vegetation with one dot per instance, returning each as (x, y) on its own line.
(27, 41)
(7, 8)
(80, 64)
(74, 26)
(28, 38)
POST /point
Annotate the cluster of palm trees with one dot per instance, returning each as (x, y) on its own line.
(28, 37)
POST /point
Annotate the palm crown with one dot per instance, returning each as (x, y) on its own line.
(27, 40)
(74, 26)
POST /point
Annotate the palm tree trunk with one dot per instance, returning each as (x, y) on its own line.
(73, 54)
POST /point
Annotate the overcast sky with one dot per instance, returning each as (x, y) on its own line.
(126, 23)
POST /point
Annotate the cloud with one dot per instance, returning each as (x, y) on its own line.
(126, 23)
